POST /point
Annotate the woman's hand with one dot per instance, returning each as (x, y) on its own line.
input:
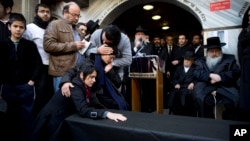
(116, 117)
(108, 67)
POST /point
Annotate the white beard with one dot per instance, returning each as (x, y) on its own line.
(211, 62)
(140, 41)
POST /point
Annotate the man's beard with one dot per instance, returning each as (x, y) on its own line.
(39, 22)
(195, 45)
(139, 40)
(212, 62)
(157, 45)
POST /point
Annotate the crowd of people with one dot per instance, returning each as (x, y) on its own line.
(46, 77)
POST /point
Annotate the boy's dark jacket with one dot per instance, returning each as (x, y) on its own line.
(19, 64)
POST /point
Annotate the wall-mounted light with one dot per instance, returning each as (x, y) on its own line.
(148, 7)
(165, 28)
(156, 17)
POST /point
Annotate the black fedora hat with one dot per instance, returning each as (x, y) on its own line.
(140, 29)
(214, 42)
(92, 26)
(189, 55)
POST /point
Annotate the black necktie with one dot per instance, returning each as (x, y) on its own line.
(169, 50)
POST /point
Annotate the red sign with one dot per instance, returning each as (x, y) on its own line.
(221, 5)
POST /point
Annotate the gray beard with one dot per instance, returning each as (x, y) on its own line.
(157, 45)
(136, 40)
(212, 62)
(141, 42)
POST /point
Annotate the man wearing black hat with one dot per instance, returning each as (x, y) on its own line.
(91, 27)
(217, 76)
(139, 46)
(180, 98)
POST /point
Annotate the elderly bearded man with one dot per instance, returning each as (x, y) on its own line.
(216, 74)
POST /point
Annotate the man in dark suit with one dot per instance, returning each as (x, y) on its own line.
(170, 66)
(216, 75)
(160, 51)
(181, 97)
(198, 46)
(183, 46)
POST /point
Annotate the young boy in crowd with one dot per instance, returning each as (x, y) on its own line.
(21, 65)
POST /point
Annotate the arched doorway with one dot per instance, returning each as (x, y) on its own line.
(177, 16)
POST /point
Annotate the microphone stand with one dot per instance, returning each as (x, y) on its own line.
(138, 52)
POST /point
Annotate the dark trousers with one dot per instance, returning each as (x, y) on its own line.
(167, 87)
(180, 107)
(20, 101)
(44, 90)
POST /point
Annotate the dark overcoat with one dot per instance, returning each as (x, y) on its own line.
(184, 79)
(4, 31)
(244, 60)
(199, 53)
(48, 124)
(229, 72)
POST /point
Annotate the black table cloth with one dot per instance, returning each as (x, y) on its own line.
(148, 127)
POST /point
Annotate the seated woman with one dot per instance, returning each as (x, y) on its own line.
(50, 119)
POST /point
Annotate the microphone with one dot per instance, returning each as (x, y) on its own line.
(138, 53)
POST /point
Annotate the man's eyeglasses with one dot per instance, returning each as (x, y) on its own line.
(44, 11)
(75, 15)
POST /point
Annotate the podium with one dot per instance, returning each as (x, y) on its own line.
(146, 67)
